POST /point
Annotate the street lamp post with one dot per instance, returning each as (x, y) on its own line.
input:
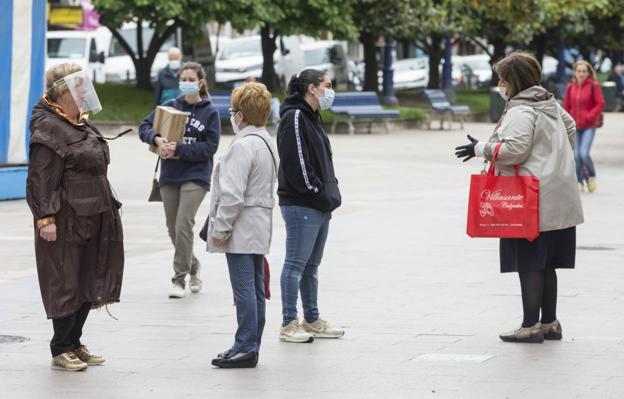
(447, 69)
(388, 74)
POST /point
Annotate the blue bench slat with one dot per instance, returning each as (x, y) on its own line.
(361, 105)
(460, 109)
(370, 114)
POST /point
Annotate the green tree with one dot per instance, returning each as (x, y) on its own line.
(434, 21)
(277, 18)
(539, 25)
(375, 19)
(164, 16)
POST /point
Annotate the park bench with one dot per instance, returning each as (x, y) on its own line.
(362, 106)
(442, 108)
(221, 102)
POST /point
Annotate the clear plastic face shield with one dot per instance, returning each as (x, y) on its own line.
(82, 90)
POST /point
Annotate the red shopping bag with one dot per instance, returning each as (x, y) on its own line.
(503, 206)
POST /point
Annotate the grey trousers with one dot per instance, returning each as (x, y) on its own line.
(181, 204)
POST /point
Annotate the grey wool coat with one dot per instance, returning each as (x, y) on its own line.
(243, 195)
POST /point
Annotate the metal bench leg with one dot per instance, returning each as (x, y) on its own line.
(334, 124)
(370, 127)
(461, 121)
(442, 118)
(387, 126)
(428, 121)
(351, 127)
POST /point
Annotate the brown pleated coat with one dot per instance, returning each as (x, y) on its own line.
(67, 180)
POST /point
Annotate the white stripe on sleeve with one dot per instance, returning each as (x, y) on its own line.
(300, 152)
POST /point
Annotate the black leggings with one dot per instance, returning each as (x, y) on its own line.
(68, 330)
(539, 292)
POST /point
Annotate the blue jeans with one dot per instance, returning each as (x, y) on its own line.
(306, 233)
(584, 140)
(247, 278)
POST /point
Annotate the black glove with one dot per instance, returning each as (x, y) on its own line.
(467, 150)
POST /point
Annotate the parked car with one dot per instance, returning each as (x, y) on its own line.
(84, 48)
(411, 73)
(238, 59)
(475, 70)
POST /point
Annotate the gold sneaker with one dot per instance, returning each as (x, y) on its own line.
(293, 332)
(321, 329)
(92, 360)
(592, 185)
(552, 330)
(68, 361)
(531, 334)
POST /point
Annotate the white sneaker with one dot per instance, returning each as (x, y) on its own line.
(293, 332)
(176, 291)
(196, 284)
(321, 329)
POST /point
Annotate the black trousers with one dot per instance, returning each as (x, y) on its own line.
(68, 330)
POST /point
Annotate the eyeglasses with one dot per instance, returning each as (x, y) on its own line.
(232, 111)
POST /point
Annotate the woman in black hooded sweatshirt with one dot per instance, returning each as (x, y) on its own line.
(308, 193)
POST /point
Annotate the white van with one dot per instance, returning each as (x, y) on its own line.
(118, 64)
(240, 58)
(84, 48)
(328, 56)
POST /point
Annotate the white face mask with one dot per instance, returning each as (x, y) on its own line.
(235, 127)
(175, 64)
(326, 101)
(503, 92)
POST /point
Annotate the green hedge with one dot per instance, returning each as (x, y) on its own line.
(124, 103)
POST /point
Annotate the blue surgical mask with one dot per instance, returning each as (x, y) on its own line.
(189, 88)
(327, 99)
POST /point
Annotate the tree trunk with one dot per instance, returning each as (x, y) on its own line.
(371, 69)
(499, 53)
(143, 78)
(435, 56)
(269, 77)
(538, 45)
(143, 64)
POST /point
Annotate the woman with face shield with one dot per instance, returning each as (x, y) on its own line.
(78, 231)
(240, 219)
(308, 193)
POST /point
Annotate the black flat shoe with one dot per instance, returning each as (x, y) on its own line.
(236, 361)
(227, 353)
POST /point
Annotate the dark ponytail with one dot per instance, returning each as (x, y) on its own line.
(299, 84)
(201, 74)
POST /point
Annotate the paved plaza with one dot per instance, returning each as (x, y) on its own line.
(422, 303)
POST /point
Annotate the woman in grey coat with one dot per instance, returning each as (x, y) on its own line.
(536, 134)
(241, 214)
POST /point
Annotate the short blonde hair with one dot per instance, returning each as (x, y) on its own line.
(520, 70)
(56, 73)
(590, 68)
(253, 100)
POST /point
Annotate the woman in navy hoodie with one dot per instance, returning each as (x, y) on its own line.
(185, 171)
